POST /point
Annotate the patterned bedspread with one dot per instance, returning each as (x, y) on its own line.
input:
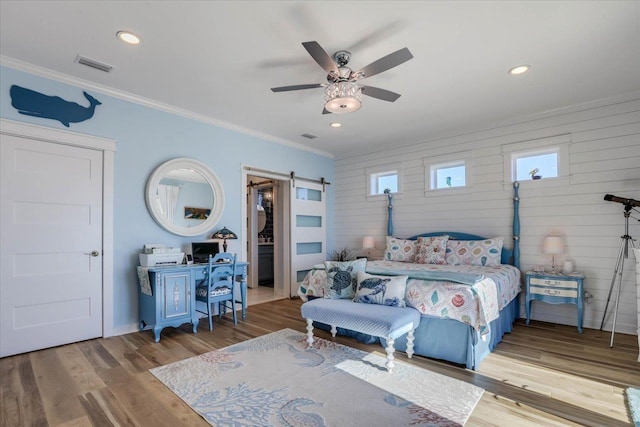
(477, 304)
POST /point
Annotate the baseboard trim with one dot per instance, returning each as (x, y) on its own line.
(127, 329)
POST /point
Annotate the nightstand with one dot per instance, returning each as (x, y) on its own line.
(555, 289)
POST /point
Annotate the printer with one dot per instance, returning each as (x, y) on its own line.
(156, 255)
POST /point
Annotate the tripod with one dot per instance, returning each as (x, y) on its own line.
(624, 253)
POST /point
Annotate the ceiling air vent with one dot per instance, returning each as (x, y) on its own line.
(93, 63)
(309, 136)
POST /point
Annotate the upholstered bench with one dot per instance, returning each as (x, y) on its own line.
(373, 319)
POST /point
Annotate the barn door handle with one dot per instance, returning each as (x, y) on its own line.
(92, 253)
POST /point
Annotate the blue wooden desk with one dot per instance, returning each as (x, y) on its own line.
(169, 297)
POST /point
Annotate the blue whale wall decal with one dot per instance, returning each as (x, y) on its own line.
(32, 103)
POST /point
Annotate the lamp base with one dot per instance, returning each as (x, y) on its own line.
(553, 264)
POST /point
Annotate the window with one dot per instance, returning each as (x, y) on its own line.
(540, 160)
(381, 181)
(380, 178)
(530, 165)
(448, 176)
(448, 173)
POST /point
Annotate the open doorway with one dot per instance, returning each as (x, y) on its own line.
(267, 220)
(298, 234)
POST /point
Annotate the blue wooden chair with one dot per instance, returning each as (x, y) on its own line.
(219, 285)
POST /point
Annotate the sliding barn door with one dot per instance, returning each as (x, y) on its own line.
(308, 229)
(50, 244)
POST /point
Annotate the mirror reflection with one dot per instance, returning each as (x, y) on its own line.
(184, 198)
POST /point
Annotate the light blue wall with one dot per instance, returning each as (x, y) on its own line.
(147, 137)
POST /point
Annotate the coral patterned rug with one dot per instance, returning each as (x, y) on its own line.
(274, 380)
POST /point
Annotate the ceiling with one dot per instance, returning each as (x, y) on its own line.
(218, 60)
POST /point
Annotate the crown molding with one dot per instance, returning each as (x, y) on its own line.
(126, 96)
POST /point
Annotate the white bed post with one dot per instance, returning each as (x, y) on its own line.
(309, 333)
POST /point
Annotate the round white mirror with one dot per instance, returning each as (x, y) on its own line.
(185, 197)
(262, 218)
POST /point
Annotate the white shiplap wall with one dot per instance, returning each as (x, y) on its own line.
(604, 158)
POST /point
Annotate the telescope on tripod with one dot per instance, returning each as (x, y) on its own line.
(627, 241)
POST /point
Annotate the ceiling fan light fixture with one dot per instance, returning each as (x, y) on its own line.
(343, 97)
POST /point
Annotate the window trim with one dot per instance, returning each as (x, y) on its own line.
(431, 165)
(559, 144)
(381, 170)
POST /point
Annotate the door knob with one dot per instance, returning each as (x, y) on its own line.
(92, 253)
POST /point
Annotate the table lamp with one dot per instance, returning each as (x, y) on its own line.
(553, 245)
(367, 244)
(224, 233)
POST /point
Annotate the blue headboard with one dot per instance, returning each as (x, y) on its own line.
(508, 256)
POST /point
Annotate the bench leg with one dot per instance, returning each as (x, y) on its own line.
(410, 344)
(334, 331)
(389, 365)
(309, 333)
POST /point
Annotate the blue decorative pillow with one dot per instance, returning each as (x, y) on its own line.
(383, 290)
(341, 277)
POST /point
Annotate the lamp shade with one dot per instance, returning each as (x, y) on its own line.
(224, 233)
(553, 245)
(368, 243)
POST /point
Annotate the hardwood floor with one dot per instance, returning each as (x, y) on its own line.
(542, 374)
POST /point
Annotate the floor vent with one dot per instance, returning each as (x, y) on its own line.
(94, 64)
(309, 136)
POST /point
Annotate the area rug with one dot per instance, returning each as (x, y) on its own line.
(633, 399)
(274, 380)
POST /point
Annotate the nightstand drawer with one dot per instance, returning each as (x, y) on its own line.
(567, 293)
(554, 282)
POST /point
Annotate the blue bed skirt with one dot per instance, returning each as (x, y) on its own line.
(449, 339)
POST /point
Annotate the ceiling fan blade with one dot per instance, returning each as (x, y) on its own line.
(321, 57)
(383, 94)
(325, 111)
(296, 87)
(377, 35)
(386, 62)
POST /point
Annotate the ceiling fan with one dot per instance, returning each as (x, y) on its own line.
(343, 92)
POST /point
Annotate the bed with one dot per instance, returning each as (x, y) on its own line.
(466, 306)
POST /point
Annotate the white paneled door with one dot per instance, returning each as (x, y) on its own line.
(50, 244)
(308, 229)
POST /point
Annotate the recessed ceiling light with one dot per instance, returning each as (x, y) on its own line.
(335, 124)
(519, 69)
(129, 37)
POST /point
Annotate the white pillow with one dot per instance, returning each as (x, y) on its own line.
(341, 277)
(383, 290)
(487, 252)
(402, 250)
